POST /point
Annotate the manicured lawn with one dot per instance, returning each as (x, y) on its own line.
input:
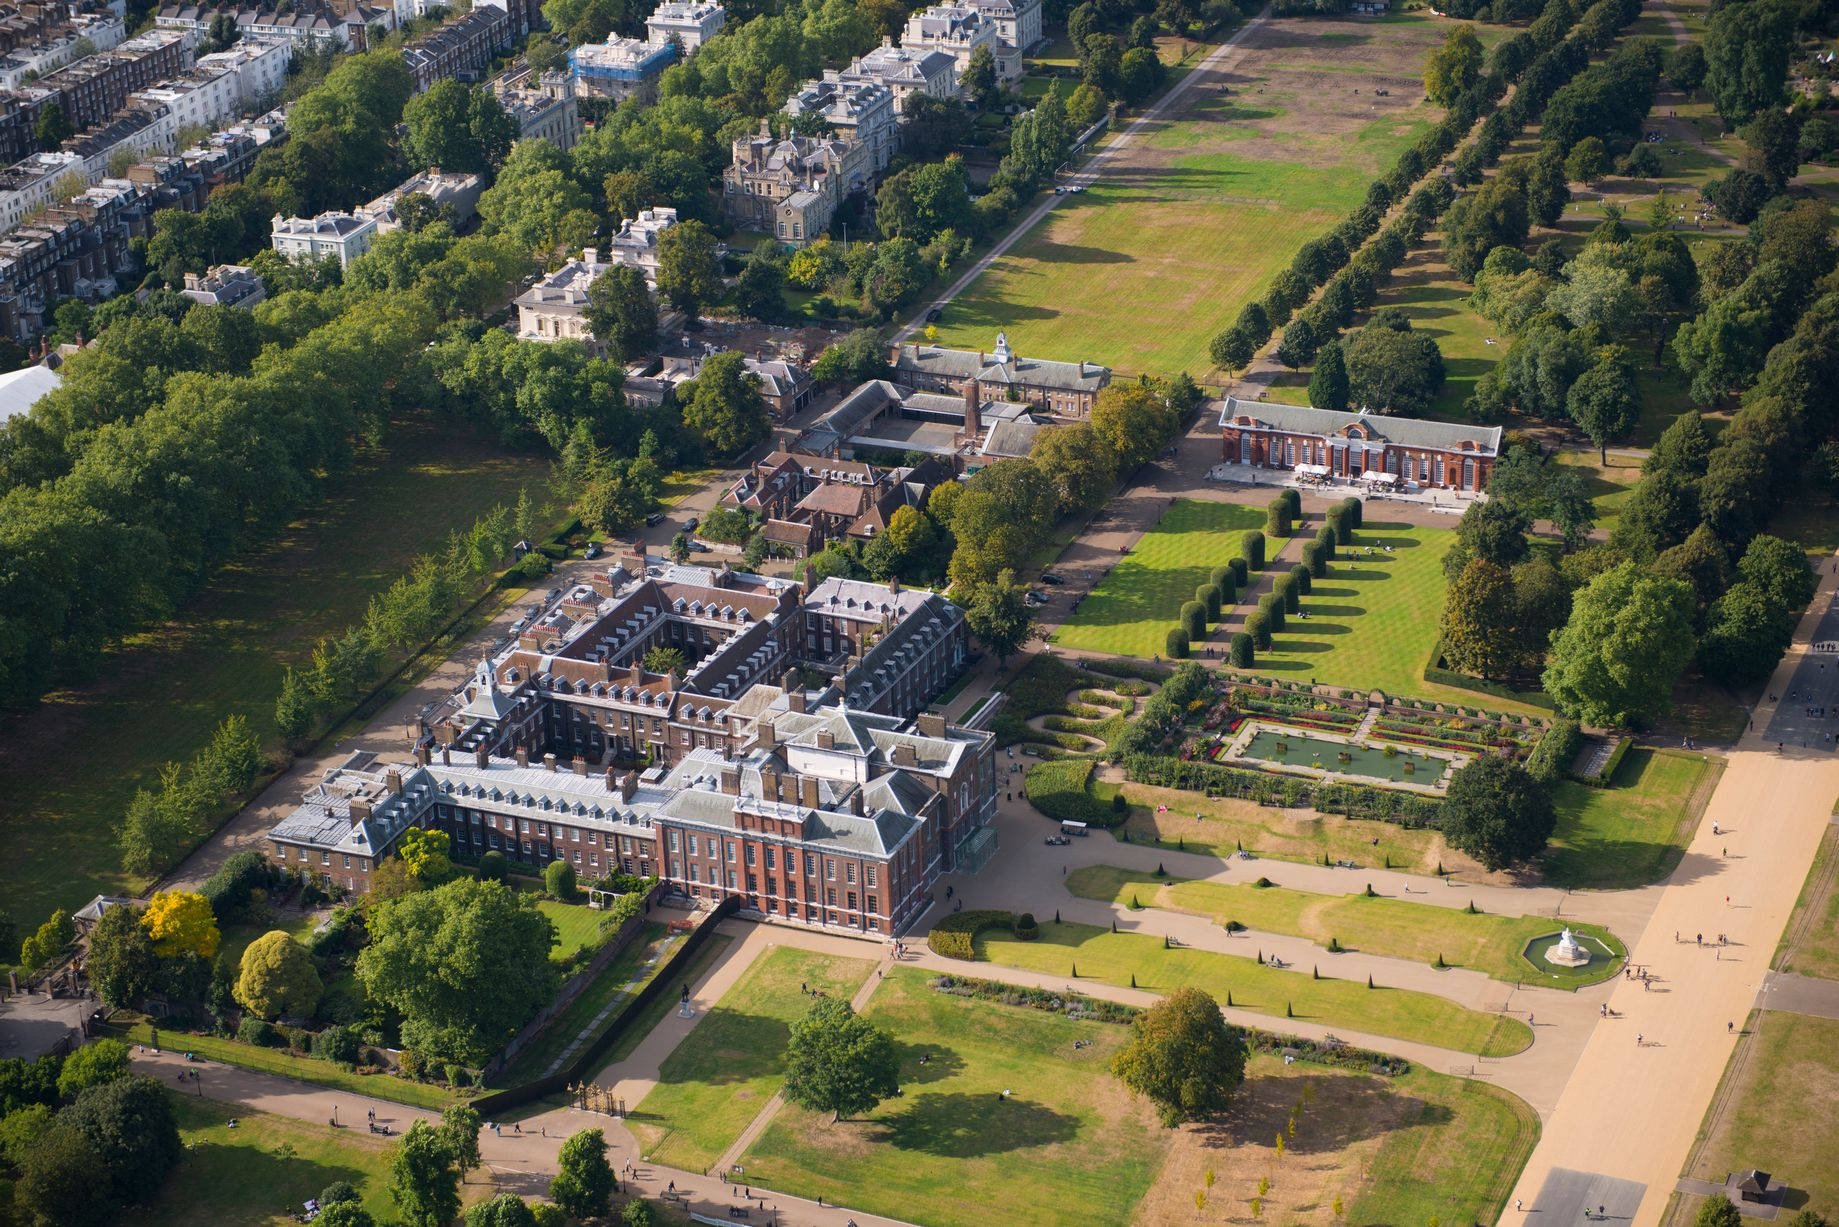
(1810, 945)
(159, 696)
(1778, 1107)
(1634, 832)
(1198, 213)
(1225, 825)
(1372, 620)
(1452, 1156)
(732, 1062)
(577, 925)
(664, 1003)
(1133, 607)
(1392, 928)
(634, 966)
(1609, 485)
(950, 1150)
(264, 1170)
(1116, 957)
(306, 1069)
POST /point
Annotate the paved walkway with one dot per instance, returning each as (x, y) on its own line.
(1783, 990)
(1634, 1103)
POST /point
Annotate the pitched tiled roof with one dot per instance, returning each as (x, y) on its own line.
(1406, 432)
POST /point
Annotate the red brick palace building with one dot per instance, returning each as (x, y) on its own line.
(1441, 455)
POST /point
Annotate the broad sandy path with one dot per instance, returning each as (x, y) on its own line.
(1630, 1110)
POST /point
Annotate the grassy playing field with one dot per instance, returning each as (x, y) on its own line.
(1810, 945)
(950, 1151)
(1391, 928)
(157, 698)
(1198, 212)
(732, 1062)
(1117, 957)
(306, 1069)
(264, 1170)
(1777, 1109)
(1133, 607)
(1632, 833)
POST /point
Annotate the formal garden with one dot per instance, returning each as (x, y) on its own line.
(1391, 927)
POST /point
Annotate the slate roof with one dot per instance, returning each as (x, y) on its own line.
(1023, 372)
(1406, 432)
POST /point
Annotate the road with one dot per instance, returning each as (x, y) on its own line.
(1089, 173)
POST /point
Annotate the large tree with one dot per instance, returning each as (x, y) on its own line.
(57, 1185)
(130, 1123)
(181, 922)
(277, 977)
(467, 964)
(723, 405)
(1747, 47)
(1183, 1057)
(424, 1181)
(462, 129)
(1393, 370)
(1497, 813)
(1079, 463)
(122, 965)
(621, 313)
(838, 1062)
(1454, 65)
(689, 277)
(1606, 401)
(1328, 381)
(1628, 638)
(1480, 625)
(1133, 422)
(584, 1179)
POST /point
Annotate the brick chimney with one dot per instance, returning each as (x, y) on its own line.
(612, 779)
(360, 809)
(522, 756)
(795, 698)
(629, 786)
(973, 416)
(549, 762)
(905, 756)
(424, 753)
(808, 784)
(481, 758)
(768, 737)
(826, 740)
(580, 765)
(392, 781)
(931, 724)
(855, 802)
(731, 781)
(446, 757)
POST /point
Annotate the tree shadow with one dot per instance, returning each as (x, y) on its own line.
(1331, 611)
(956, 1125)
(729, 1049)
(1300, 646)
(252, 1175)
(1340, 1110)
(941, 1063)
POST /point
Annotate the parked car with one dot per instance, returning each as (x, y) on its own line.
(592, 551)
(935, 315)
(692, 524)
(1048, 577)
(656, 517)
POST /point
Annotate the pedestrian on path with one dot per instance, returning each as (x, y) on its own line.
(1640, 1042)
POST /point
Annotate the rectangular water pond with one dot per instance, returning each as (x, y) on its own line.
(1299, 750)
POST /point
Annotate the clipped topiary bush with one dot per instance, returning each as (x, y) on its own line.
(1194, 620)
(955, 937)
(1294, 498)
(1241, 654)
(1258, 626)
(1222, 578)
(1209, 597)
(1025, 928)
(1252, 550)
(1241, 571)
(1355, 510)
(1277, 518)
(1299, 575)
(1175, 645)
(1271, 605)
(1292, 595)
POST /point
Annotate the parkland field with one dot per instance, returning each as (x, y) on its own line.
(1268, 148)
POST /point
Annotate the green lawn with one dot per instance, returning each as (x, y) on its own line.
(639, 962)
(264, 1170)
(577, 926)
(1372, 620)
(732, 1062)
(1389, 927)
(157, 698)
(950, 1151)
(1810, 945)
(1117, 957)
(1778, 1108)
(306, 1069)
(1197, 214)
(664, 1003)
(1633, 832)
(1133, 607)
(1224, 825)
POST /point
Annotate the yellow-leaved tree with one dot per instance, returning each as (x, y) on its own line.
(181, 922)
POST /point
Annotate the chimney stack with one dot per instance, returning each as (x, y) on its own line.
(424, 753)
(768, 736)
(612, 779)
(522, 756)
(809, 785)
(795, 698)
(731, 781)
(481, 758)
(628, 786)
(392, 781)
(580, 765)
(549, 762)
(855, 802)
(360, 809)
(446, 757)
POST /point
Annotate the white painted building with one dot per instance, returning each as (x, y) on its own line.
(693, 22)
(201, 97)
(959, 30)
(545, 109)
(636, 244)
(907, 71)
(329, 234)
(225, 285)
(459, 194)
(259, 69)
(89, 33)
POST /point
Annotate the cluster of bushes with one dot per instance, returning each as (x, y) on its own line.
(402, 618)
(1062, 790)
(1214, 779)
(1072, 1005)
(1322, 1052)
(1164, 713)
(165, 822)
(955, 936)
(1222, 588)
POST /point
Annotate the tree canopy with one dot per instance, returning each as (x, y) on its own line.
(838, 1062)
(1497, 813)
(1183, 1057)
(1628, 638)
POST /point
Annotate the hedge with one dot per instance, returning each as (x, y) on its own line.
(1268, 788)
(1194, 619)
(1117, 666)
(1300, 577)
(1271, 606)
(1209, 597)
(1601, 778)
(1253, 550)
(1242, 655)
(1063, 791)
(955, 937)
(1223, 579)
(1241, 571)
(1258, 626)
(1355, 510)
(1315, 557)
(1294, 498)
(1292, 594)
(1328, 539)
(1277, 518)
(1175, 643)
(1163, 713)
(1555, 751)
